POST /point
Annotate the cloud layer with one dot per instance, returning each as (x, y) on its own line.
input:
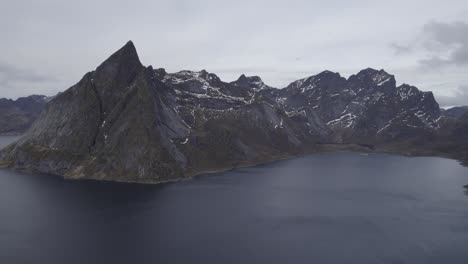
(13, 78)
(447, 43)
(48, 45)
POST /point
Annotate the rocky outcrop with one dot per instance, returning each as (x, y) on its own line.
(16, 116)
(365, 108)
(128, 122)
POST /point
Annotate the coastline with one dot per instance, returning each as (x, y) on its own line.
(323, 149)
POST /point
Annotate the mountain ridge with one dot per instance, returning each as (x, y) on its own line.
(127, 122)
(16, 116)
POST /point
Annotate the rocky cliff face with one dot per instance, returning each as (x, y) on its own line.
(128, 122)
(367, 107)
(17, 116)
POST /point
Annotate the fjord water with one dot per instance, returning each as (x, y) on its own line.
(327, 208)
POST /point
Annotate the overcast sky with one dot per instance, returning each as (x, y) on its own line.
(48, 45)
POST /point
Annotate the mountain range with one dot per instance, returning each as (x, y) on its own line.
(16, 116)
(127, 122)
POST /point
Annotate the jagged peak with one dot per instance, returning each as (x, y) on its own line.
(328, 73)
(126, 55)
(250, 81)
(310, 80)
(160, 72)
(323, 74)
(190, 72)
(253, 78)
(407, 87)
(203, 74)
(372, 72)
(112, 78)
(242, 78)
(376, 77)
(368, 71)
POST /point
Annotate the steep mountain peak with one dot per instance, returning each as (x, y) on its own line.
(127, 55)
(370, 72)
(128, 122)
(323, 79)
(241, 80)
(244, 78)
(254, 82)
(328, 74)
(406, 91)
(255, 78)
(112, 79)
(373, 77)
(160, 73)
(187, 75)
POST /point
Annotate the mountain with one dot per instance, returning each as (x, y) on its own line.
(254, 83)
(366, 107)
(16, 116)
(455, 138)
(455, 112)
(127, 122)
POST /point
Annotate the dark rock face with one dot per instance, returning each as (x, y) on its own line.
(127, 122)
(367, 107)
(227, 124)
(254, 83)
(114, 124)
(17, 116)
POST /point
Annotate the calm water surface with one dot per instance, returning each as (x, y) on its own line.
(330, 208)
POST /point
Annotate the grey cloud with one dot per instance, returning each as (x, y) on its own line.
(449, 38)
(401, 49)
(434, 62)
(279, 40)
(10, 74)
(447, 33)
(443, 44)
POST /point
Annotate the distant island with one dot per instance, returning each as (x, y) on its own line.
(131, 123)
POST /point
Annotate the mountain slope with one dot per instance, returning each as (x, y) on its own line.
(367, 107)
(127, 122)
(108, 125)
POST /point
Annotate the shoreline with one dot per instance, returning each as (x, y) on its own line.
(325, 149)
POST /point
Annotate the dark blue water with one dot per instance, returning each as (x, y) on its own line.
(330, 208)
